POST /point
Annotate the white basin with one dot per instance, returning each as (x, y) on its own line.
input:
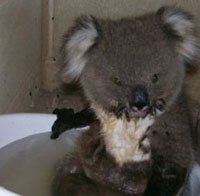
(28, 156)
(18, 126)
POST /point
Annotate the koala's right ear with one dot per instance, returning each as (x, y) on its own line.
(76, 45)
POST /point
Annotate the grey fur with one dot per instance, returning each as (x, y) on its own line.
(182, 25)
(77, 44)
(127, 53)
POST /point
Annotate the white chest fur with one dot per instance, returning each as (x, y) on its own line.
(122, 137)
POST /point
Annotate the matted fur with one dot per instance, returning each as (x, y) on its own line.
(130, 54)
(123, 138)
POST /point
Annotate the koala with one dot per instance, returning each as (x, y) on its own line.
(132, 72)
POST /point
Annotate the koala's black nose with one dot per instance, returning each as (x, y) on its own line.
(139, 99)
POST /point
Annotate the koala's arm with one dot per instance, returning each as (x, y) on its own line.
(71, 180)
(99, 166)
(172, 152)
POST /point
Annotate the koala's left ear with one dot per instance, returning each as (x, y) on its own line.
(78, 41)
(179, 25)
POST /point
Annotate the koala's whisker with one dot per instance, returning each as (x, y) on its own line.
(120, 110)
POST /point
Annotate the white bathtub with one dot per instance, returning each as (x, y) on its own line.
(27, 154)
(18, 126)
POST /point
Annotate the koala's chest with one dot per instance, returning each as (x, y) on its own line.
(123, 138)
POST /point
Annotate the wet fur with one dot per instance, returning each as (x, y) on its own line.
(169, 171)
(110, 59)
(89, 163)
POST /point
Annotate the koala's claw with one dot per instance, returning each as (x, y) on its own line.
(169, 173)
(99, 148)
(145, 145)
(160, 103)
(120, 110)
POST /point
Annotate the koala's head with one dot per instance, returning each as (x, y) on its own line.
(131, 65)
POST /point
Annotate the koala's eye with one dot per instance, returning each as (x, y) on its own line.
(117, 81)
(154, 78)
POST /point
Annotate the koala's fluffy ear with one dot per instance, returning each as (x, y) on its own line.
(179, 25)
(77, 43)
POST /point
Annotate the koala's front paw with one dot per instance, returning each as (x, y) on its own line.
(167, 179)
(174, 173)
(169, 173)
(145, 145)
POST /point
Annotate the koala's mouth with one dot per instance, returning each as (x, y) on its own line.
(157, 107)
(139, 113)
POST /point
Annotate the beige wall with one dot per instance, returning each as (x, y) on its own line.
(20, 27)
(65, 11)
(20, 40)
